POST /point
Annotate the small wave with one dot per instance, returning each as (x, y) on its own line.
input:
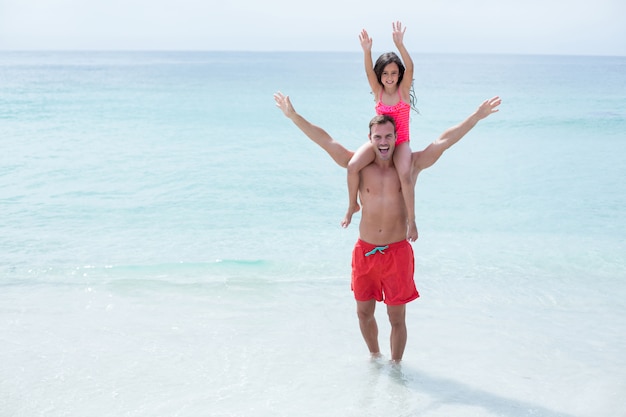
(219, 271)
(191, 266)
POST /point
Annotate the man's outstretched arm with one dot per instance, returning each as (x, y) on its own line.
(318, 135)
(430, 155)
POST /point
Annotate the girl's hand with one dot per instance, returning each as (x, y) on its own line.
(366, 41)
(398, 33)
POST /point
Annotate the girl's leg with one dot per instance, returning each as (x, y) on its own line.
(402, 160)
(362, 158)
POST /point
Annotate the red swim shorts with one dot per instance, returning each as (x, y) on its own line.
(384, 273)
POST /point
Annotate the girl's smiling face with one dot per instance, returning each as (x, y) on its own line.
(390, 74)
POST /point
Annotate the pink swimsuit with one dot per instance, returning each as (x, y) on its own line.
(400, 113)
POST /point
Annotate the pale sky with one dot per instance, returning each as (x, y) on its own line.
(576, 27)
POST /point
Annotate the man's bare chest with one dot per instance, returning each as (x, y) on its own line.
(379, 183)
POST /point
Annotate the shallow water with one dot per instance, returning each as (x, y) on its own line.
(170, 243)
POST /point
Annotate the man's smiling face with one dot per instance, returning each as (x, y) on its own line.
(383, 139)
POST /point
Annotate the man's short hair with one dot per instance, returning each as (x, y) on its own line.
(381, 119)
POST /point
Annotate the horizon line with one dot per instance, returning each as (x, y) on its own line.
(252, 51)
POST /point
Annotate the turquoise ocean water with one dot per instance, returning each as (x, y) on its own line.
(170, 242)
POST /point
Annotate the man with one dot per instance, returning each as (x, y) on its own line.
(382, 259)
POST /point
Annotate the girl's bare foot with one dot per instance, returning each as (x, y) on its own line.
(412, 231)
(348, 218)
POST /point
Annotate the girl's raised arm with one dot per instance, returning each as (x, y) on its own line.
(407, 80)
(366, 44)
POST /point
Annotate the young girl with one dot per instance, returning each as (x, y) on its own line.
(391, 82)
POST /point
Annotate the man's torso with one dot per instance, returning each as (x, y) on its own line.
(383, 217)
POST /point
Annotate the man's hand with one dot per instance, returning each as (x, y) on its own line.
(283, 103)
(488, 107)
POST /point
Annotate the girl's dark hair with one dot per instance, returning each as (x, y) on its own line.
(386, 59)
(389, 58)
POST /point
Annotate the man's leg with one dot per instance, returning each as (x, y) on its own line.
(369, 327)
(397, 318)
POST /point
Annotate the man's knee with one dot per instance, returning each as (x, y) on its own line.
(397, 315)
(397, 321)
(364, 316)
(365, 311)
